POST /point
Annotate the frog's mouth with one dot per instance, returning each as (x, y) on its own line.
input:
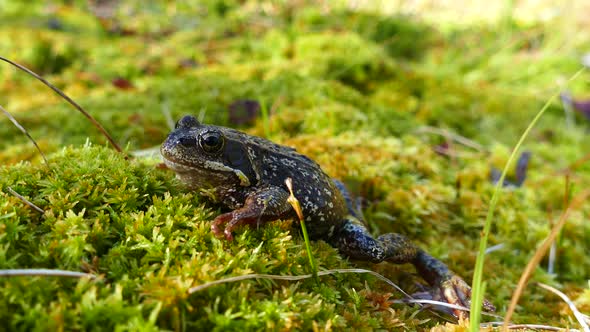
(178, 167)
(209, 168)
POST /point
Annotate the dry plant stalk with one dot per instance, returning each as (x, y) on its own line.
(297, 207)
(24, 131)
(540, 253)
(26, 201)
(68, 99)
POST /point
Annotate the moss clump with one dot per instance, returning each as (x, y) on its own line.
(128, 223)
(354, 90)
(402, 36)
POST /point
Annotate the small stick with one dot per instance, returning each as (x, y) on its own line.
(455, 137)
(540, 253)
(440, 304)
(29, 203)
(294, 278)
(24, 131)
(570, 304)
(528, 326)
(69, 100)
(45, 273)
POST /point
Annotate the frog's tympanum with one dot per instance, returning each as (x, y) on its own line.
(247, 175)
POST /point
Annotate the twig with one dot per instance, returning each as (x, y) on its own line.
(439, 303)
(45, 273)
(69, 100)
(29, 203)
(529, 326)
(570, 304)
(453, 154)
(496, 247)
(24, 131)
(456, 137)
(534, 262)
(294, 278)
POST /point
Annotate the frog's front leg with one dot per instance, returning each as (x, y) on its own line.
(267, 203)
(354, 241)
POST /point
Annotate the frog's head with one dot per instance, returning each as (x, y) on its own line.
(206, 156)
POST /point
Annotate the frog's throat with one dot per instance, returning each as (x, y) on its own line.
(213, 165)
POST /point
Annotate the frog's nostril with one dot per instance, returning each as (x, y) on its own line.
(187, 141)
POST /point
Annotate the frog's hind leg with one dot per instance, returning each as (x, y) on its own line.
(354, 241)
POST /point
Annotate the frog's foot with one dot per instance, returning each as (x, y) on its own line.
(456, 291)
(218, 225)
(224, 224)
(267, 203)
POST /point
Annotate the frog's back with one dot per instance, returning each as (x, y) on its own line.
(321, 201)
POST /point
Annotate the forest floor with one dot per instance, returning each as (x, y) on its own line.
(414, 106)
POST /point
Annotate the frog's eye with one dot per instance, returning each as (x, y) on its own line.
(211, 142)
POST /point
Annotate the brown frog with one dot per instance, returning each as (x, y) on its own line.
(247, 175)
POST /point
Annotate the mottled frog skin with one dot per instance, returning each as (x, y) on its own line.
(247, 175)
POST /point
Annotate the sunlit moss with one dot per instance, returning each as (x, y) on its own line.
(352, 90)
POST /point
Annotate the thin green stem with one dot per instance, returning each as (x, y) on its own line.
(314, 269)
(477, 284)
(297, 207)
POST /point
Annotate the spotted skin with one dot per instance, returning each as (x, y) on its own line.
(247, 175)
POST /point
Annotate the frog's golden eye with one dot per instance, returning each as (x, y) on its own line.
(211, 142)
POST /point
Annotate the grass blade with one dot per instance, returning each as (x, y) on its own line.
(477, 293)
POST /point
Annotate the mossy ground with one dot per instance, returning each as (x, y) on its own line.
(349, 88)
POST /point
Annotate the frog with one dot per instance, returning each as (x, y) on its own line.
(246, 174)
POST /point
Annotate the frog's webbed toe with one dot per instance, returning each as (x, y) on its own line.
(224, 224)
(218, 226)
(446, 285)
(453, 290)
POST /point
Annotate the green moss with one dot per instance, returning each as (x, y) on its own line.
(351, 89)
(128, 222)
(402, 36)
